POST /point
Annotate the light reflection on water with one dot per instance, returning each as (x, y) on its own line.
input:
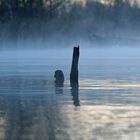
(106, 106)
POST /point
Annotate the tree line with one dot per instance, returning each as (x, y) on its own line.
(49, 18)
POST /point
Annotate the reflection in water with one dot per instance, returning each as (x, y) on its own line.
(75, 94)
(103, 122)
(59, 89)
(29, 117)
(35, 117)
(31, 109)
(26, 110)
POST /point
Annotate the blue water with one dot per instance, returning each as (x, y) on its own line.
(106, 106)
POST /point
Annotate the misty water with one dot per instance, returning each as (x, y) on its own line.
(106, 106)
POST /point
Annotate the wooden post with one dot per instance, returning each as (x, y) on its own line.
(74, 67)
(59, 81)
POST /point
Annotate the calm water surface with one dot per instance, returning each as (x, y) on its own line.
(106, 106)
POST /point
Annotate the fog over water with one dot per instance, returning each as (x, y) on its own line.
(37, 38)
(105, 106)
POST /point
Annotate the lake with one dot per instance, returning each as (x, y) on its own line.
(106, 106)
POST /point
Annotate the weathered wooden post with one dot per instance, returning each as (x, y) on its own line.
(59, 78)
(74, 77)
(59, 81)
(74, 67)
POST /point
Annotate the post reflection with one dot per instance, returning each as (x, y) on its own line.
(25, 109)
(59, 88)
(75, 94)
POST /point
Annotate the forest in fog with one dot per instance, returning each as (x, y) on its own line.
(87, 22)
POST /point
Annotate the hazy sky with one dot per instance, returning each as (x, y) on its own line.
(108, 1)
